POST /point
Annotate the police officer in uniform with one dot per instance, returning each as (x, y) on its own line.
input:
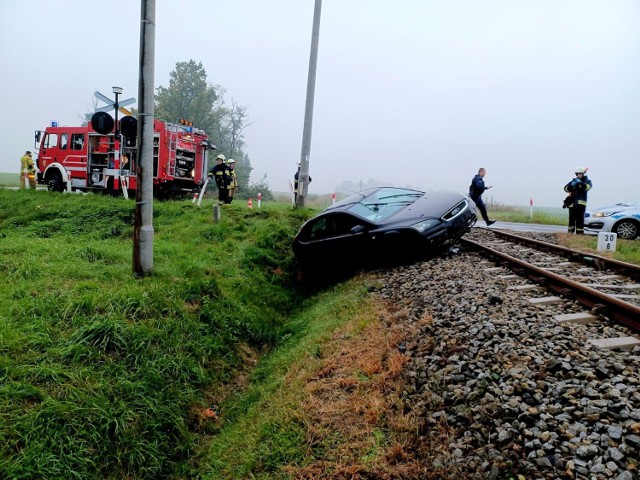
(576, 201)
(476, 189)
(296, 178)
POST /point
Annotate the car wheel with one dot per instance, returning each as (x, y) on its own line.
(627, 229)
(54, 181)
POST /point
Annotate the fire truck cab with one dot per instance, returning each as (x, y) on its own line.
(79, 158)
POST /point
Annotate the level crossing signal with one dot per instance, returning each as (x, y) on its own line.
(111, 105)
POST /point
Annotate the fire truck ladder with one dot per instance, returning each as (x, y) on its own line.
(173, 142)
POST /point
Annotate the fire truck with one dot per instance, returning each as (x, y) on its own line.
(80, 158)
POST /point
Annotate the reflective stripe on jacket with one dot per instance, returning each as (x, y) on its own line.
(578, 190)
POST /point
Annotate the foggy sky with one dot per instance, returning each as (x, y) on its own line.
(411, 92)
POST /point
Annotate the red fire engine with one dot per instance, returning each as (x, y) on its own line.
(79, 158)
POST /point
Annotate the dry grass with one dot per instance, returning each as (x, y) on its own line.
(355, 419)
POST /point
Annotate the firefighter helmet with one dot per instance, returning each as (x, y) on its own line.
(231, 160)
(580, 170)
(221, 157)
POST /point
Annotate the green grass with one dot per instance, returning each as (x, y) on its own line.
(103, 375)
(626, 250)
(544, 216)
(9, 179)
(268, 430)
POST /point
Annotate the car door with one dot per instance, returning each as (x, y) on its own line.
(335, 236)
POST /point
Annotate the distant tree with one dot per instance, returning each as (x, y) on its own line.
(187, 96)
(243, 170)
(190, 96)
(253, 189)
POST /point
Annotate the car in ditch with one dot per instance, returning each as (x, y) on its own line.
(621, 218)
(383, 222)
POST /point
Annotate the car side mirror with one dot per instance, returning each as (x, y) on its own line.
(37, 135)
(357, 229)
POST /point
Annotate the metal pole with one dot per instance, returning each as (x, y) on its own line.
(116, 141)
(116, 115)
(143, 226)
(303, 177)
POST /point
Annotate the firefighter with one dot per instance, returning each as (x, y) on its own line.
(220, 172)
(27, 171)
(233, 184)
(576, 201)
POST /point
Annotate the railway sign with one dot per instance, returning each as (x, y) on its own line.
(111, 105)
(607, 241)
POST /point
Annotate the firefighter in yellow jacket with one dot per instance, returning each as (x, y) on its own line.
(27, 171)
(233, 182)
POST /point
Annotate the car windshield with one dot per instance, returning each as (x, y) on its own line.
(384, 202)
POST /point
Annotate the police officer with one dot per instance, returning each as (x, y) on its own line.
(27, 171)
(233, 184)
(576, 202)
(220, 173)
(476, 189)
(296, 178)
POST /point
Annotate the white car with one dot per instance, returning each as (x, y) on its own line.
(621, 218)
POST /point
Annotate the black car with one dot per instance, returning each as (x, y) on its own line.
(383, 222)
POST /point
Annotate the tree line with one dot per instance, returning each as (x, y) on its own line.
(191, 96)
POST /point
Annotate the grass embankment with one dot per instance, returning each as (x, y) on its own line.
(106, 376)
(543, 216)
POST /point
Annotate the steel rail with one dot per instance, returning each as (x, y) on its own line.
(628, 269)
(616, 309)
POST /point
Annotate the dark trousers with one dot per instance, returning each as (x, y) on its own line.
(576, 219)
(481, 206)
(223, 195)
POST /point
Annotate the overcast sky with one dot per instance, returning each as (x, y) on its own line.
(410, 92)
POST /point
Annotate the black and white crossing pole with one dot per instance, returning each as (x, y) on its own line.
(303, 178)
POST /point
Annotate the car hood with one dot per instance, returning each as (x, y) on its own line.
(430, 205)
(616, 206)
(620, 208)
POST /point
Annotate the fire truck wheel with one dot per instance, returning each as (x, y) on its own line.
(54, 181)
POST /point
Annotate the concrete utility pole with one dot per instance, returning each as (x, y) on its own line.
(143, 226)
(303, 179)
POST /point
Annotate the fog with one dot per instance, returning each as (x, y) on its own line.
(409, 93)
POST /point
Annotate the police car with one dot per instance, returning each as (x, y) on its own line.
(621, 218)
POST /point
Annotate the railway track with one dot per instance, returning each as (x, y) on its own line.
(520, 387)
(608, 287)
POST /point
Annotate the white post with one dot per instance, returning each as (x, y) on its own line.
(204, 189)
(123, 184)
(607, 241)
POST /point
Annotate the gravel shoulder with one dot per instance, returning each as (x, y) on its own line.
(503, 391)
